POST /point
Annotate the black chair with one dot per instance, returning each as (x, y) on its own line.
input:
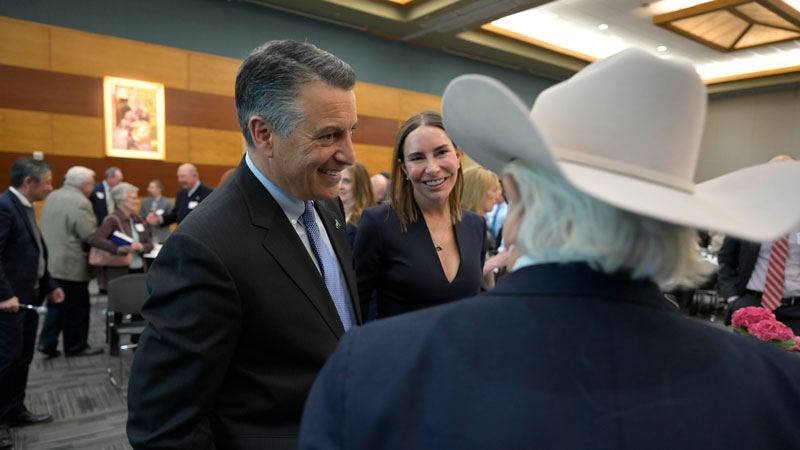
(126, 295)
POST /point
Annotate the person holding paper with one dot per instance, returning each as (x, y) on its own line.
(192, 192)
(122, 232)
(160, 205)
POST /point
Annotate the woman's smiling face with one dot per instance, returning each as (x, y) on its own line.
(430, 161)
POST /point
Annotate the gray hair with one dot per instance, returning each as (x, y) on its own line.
(111, 171)
(120, 192)
(270, 78)
(28, 167)
(78, 175)
(562, 224)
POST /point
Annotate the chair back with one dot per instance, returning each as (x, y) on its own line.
(126, 294)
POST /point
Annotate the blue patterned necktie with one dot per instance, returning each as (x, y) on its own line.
(327, 265)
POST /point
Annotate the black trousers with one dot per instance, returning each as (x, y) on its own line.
(17, 341)
(70, 317)
(789, 315)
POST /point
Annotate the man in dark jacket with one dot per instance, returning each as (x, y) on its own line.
(192, 192)
(24, 281)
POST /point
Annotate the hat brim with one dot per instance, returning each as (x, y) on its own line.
(491, 124)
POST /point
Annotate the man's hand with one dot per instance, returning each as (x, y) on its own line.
(57, 295)
(495, 262)
(125, 249)
(10, 305)
(152, 218)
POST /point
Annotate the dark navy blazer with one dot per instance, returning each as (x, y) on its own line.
(183, 201)
(404, 268)
(99, 205)
(556, 356)
(19, 255)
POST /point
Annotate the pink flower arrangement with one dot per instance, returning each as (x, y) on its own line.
(751, 315)
(762, 324)
(767, 330)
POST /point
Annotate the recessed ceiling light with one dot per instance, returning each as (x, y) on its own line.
(661, 48)
(602, 27)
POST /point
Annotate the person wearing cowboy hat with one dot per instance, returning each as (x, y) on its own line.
(577, 347)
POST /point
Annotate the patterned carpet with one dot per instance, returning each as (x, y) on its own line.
(88, 412)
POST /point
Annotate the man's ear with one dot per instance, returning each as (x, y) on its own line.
(510, 189)
(262, 133)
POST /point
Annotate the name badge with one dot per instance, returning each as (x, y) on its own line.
(192, 204)
(100, 195)
(139, 227)
(160, 212)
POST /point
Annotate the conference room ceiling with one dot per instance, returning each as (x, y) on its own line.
(555, 38)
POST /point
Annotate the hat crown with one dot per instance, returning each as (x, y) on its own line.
(632, 113)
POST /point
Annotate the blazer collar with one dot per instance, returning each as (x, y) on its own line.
(579, 280)
(21, 211)
(282, 242)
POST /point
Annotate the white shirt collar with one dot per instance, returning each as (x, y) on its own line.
(292, 207)
(21, 197)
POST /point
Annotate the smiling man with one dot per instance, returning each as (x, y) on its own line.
(254, 290)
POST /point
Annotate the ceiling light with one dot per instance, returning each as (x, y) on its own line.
(728, 25)
(566, 34)
(793, 3)
(602, 27)
(673, 5)
(661, 48)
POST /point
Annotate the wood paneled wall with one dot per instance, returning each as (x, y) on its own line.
(51, 100)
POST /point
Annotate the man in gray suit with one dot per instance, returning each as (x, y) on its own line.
(67, 222)
(160, 205)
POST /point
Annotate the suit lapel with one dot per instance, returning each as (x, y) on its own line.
(285, 246)
(335, 226)
(21, 211)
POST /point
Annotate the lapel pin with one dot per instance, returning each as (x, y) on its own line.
(338, 225)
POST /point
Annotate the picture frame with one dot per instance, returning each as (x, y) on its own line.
(134, 118)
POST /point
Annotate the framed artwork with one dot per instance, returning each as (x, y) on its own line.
(134, 118)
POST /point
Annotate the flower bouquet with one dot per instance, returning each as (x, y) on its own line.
(762, 324)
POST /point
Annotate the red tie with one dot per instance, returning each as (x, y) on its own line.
(773, 288)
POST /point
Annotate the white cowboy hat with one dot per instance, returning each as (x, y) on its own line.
(625, 130)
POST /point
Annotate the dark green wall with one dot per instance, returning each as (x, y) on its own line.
(232, 29)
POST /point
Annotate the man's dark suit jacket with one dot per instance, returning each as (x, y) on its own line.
(99, 205)
(182, 201)
(737, 259)
(239, 324)
(556, 356)
(19, 255)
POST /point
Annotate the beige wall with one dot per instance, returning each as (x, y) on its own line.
(744, 130)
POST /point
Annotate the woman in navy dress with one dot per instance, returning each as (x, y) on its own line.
(422, 249)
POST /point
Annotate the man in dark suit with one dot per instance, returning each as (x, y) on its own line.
(24, 280)
(192, 192)
(743, 273)
(101, 195)
(251, 294)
